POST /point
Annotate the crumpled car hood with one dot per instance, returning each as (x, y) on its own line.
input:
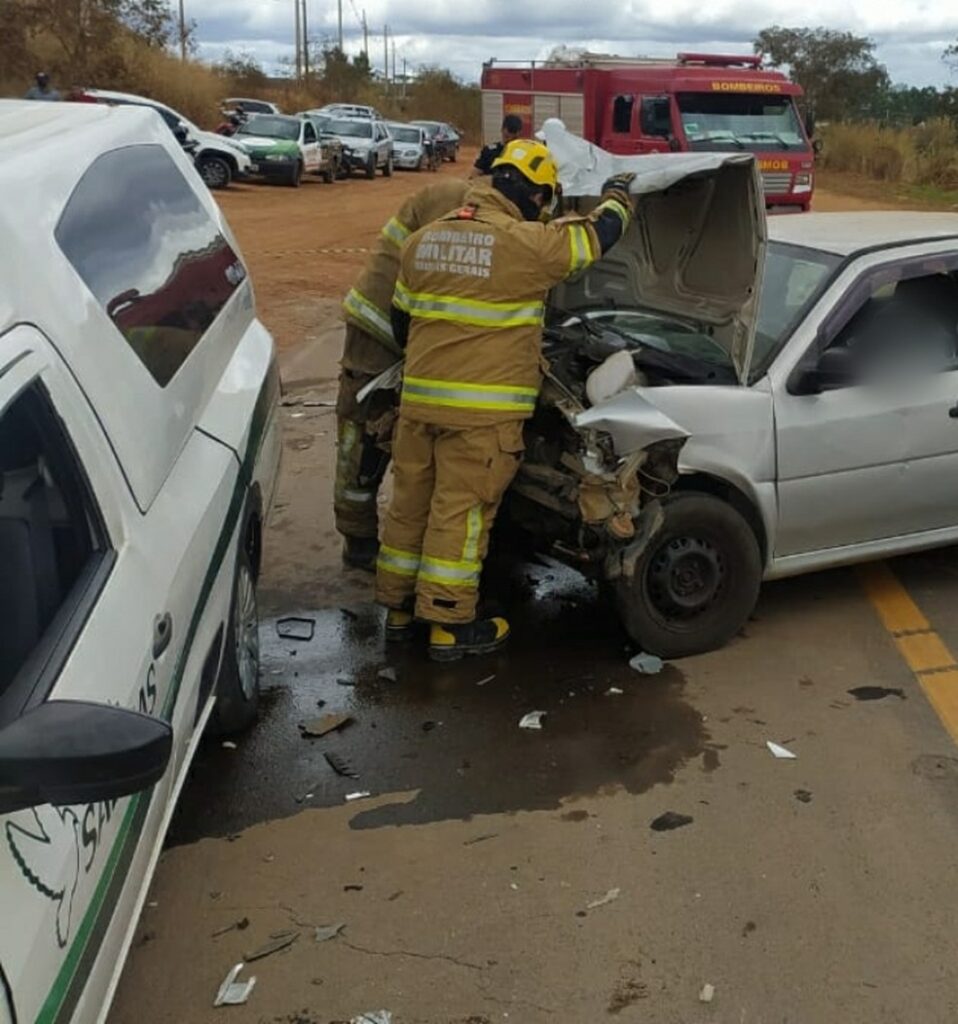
(695, 248)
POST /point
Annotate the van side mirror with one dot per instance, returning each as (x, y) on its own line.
(75, 752)
(834, 368)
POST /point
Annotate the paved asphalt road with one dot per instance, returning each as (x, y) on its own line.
(496, 874)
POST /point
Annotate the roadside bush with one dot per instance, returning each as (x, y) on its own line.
(926, 154)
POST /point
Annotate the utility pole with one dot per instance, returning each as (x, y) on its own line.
(386, 54)
(305, 44)
(404, 78)
(394, 58)
(365, 36)
(339, 6)
(182, 32)
(299, 51)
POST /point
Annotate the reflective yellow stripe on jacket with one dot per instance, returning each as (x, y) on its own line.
(396, 231)
(474, 312)
(402, 563)
(465, 395)
(581, 246)
(624, 214)
(449, 573)
(371, 318)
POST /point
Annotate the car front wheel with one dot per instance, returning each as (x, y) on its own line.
(237, 687)
(215, 171)
(388, 167)
(696, 583)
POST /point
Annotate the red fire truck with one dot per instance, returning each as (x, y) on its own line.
(696, 102)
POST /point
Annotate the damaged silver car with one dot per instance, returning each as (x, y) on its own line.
(720, 407)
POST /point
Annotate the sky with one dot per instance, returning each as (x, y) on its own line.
(461, 34)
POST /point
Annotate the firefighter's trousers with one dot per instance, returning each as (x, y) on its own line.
(447, 487)
(362, 455)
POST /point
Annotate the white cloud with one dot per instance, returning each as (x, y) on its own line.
(460, 35)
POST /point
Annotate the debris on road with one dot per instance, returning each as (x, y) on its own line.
(429, 725)
(647, 664)
(236, 926)
(308, 401)
(228, 745)
(387, 674)
(670, 820)
(780, 752)
(296, 628)
(481, 839)
(317, 727)
(488, 679)
(373, 1017)
(533, 720)
(326, 932)
(610, 897)
(707, 994)
(361, 794)
(614, 691)
(233, 992)
(877, 692)
(344, 681)
(280, 942)
(340, 765)
(803, 795)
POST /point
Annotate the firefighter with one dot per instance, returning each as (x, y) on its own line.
(364, 427)
(469, 305)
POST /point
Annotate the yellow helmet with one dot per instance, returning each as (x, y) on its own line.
(532, 160)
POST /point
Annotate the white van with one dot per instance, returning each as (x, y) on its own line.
(139, 446)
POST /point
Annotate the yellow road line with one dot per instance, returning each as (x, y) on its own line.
(923, 650)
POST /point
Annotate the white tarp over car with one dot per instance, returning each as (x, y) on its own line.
(696, 248)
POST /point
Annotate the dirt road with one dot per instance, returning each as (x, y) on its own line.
(496, 874)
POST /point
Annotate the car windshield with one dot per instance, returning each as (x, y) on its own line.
(404, 134)
(431, 130)
(794, 278)
(740, 121)
(352, 129)
(270, 127)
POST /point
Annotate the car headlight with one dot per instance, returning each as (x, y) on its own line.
(278, 157)
(803, 179)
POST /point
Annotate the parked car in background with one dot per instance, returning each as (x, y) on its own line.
(444, 137)
(282, 148)
(351, 110)
(367, 144)
(218, 160)
(411, 146)
(250, 106)
(139, 447)
(331, 158)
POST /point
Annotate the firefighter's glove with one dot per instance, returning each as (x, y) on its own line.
(617, 188)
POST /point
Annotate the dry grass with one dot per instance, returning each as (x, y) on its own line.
(924, 155)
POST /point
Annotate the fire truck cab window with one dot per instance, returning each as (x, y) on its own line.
(656, 116)
(622, 114)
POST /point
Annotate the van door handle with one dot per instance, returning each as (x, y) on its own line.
(162, 633)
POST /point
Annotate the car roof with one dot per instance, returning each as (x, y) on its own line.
(128, 97)
(282, 117)
(845, 234)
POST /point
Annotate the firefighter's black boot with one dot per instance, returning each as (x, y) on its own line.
(450, 642)
(360, 552)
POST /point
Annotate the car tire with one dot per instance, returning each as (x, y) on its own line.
(237, 686)
(215, 171)
(696, 583)
(329, 175)
(455, 155)
(388, 167)
(295, 176)
(371, 167)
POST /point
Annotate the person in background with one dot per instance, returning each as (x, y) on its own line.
(42, 90)
(511, 130)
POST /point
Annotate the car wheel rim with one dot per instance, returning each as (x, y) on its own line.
(685, 578)
(246, 631)
(214, 175)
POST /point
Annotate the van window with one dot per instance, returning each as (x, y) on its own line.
(622, 114)
(51, 532)
(309, 132)
(656, 116)
(144, 244)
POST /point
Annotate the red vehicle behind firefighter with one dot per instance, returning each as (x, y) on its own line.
(694, 103)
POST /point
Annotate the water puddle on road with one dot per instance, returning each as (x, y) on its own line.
(449, 732)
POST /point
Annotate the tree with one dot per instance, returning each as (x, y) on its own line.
(950, 56)
(838, 70)
(243, 69)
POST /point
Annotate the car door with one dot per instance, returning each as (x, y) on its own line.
(874, 454)
(384, 144)
(310, 146)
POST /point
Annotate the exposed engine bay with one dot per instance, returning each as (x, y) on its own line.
(574, 492)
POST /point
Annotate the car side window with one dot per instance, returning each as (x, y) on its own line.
(151, 254)
(905, 327)
(51, 536)
(309, 132)
(622, 114)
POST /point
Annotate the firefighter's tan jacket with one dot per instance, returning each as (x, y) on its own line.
(367, 305)
(474, 284)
